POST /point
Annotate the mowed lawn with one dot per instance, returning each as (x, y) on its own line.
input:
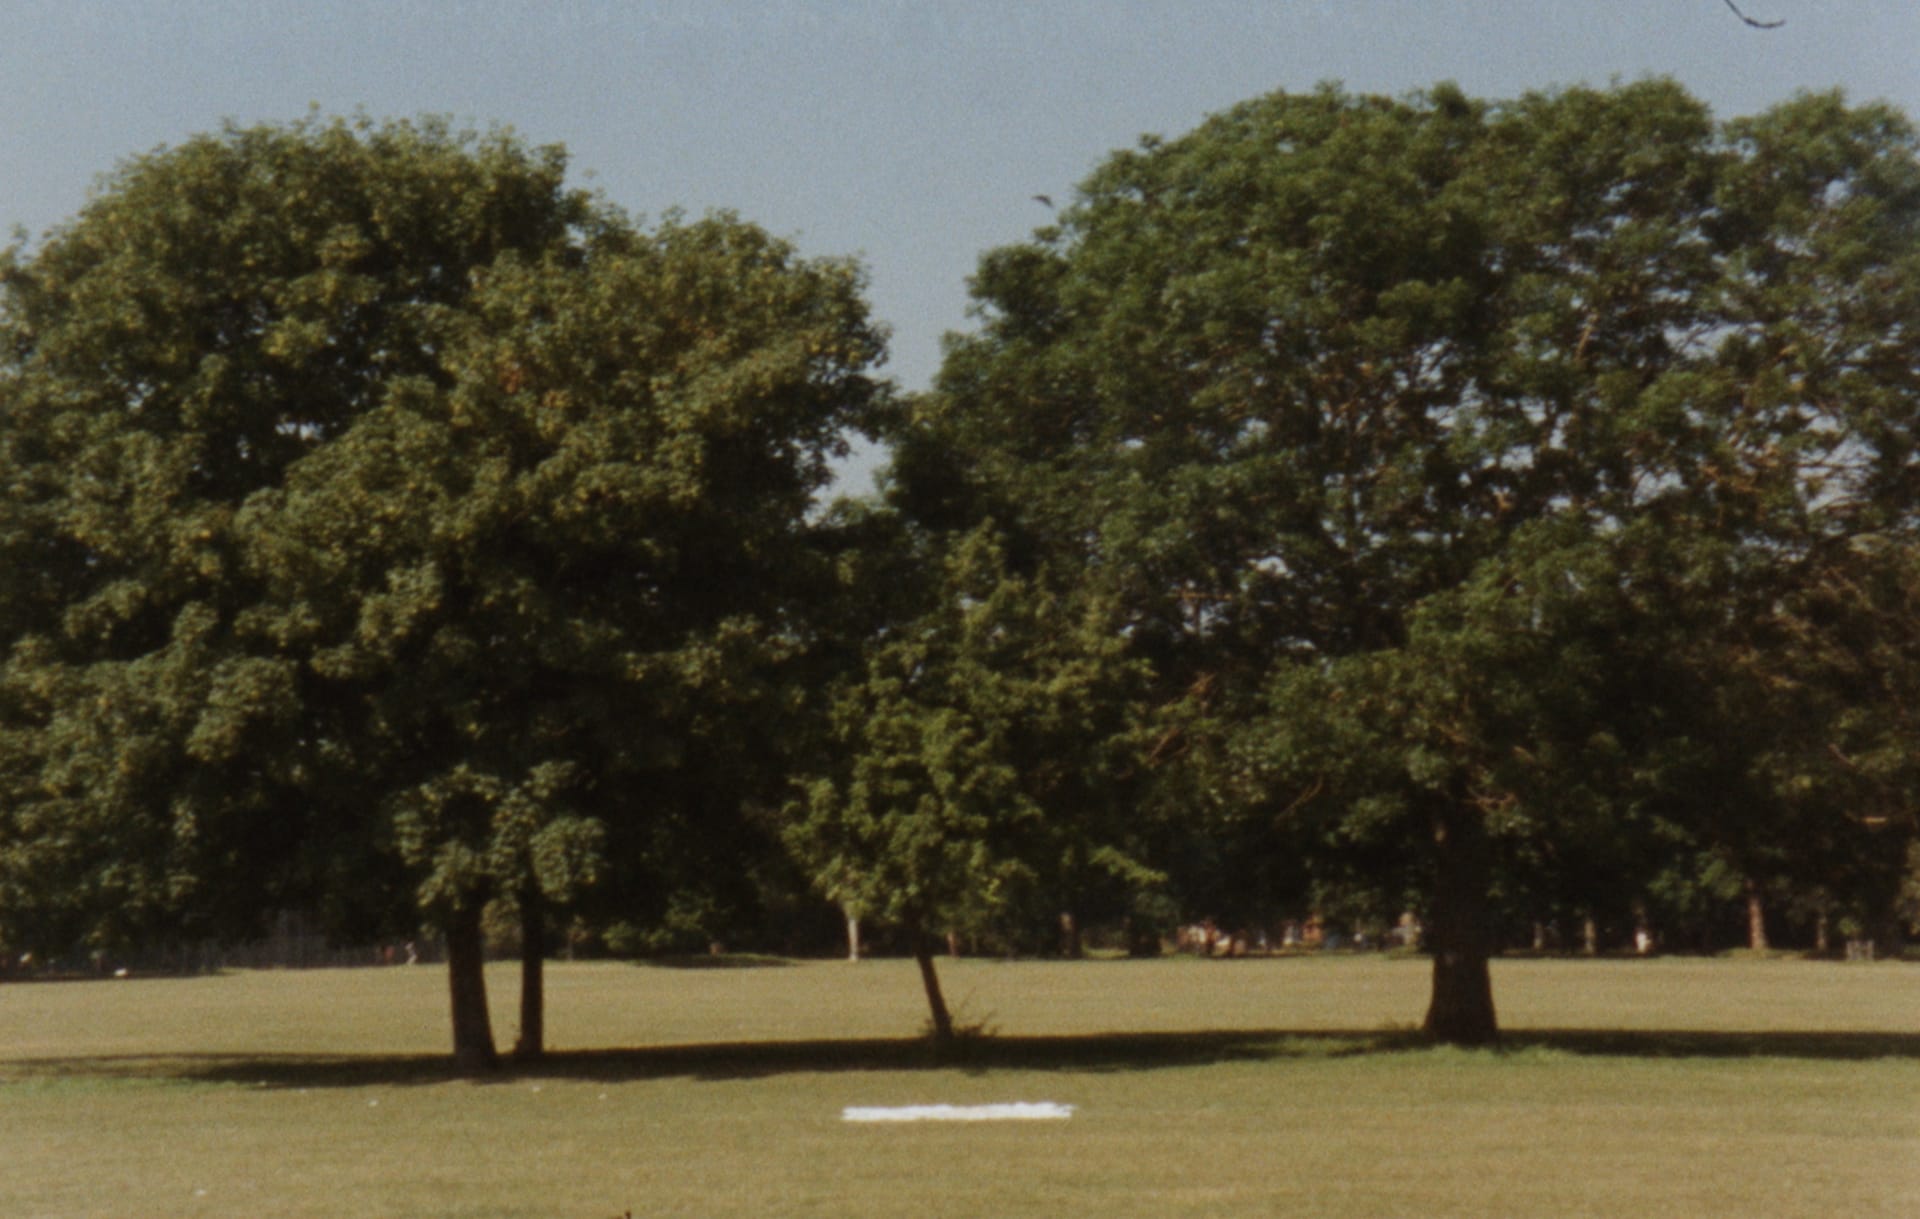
(1256, 1087)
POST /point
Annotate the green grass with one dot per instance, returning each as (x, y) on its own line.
(1287, 1087)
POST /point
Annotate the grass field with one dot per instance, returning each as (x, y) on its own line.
(1259, 1087)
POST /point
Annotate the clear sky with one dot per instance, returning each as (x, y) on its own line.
(911, 133)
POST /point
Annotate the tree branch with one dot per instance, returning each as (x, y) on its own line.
(1758, 25)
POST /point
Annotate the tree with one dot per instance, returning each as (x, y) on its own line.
(543, 584)
(1367, 409)
(216, 312)
(1801, 498)
(526, 543)
(969, 759)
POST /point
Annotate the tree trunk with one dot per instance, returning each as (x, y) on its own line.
(853, 933)
(473, 1050)
(1889, 937)
(1071, 946)
(1142, 939)
(1756, 919)
(533, 959)
(1461, 1010)
(936, 1002)
(1590, 936)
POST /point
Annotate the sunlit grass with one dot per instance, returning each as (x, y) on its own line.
(1202, 1088)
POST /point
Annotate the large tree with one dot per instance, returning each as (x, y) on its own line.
(217, 311)
(488, 535)
(1373, 410)
(563, 580)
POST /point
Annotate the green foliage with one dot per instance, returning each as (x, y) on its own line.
(974, 754)
(219, 312)
(411, 530)
(547, 580)
(1450, 461)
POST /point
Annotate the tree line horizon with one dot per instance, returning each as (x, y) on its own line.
(1499, 510)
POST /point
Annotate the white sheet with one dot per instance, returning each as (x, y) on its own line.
(1016, 1111)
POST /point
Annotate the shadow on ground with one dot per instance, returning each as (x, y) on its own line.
(1116, 1052)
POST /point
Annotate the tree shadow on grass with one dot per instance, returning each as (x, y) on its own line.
(1617, 1043)
(1103, 1053)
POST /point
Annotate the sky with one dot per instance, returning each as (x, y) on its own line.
(912, 134)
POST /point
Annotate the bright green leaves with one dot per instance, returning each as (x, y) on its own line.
(472, 833)
(974, 754)
(242, 692)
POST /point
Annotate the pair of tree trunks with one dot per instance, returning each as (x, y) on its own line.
(473, 1046)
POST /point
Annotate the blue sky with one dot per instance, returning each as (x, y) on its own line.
(911, 134)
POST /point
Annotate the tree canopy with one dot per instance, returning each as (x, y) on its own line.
(402, 511)
(1422, 438)
(218, 312)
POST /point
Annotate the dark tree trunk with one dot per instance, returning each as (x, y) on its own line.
(1889, 937)
(936, 1002)
(473, 1050)
(1071, 946)
(533, 959)
(1142, 939)
(1461, 1010)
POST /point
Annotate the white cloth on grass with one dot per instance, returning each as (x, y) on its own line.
(1017, 1111)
